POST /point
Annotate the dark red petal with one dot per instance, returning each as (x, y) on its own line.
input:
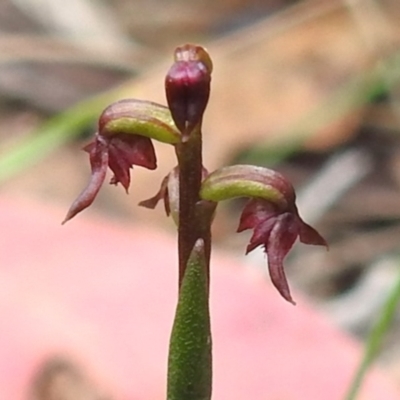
(309, 235)
(135, 149)
(255, 212)
(91, 146)
(126, 151)
(120, 166)
(281, 239)
(162, 194)
(98, 151)
(261, 234)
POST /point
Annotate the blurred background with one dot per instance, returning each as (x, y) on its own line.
(310, 88)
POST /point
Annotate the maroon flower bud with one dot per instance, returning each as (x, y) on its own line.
(187, 86)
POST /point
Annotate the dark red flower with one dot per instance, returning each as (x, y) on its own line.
(276, 229)
(119, 152)
(271, 212)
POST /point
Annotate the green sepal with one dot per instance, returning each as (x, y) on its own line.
(247, 181)
(190, 361)
(139, 117)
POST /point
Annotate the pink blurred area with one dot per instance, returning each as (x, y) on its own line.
(104, 294)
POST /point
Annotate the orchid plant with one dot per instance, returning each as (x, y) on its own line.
(191, 194)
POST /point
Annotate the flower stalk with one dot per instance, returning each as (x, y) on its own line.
(191, 221)
(190, 362)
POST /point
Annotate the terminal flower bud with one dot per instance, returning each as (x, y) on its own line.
(187, 86)
(271, 212)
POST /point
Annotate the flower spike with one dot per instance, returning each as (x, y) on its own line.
(271, 212)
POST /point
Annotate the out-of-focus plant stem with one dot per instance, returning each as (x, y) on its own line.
(375, 339)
